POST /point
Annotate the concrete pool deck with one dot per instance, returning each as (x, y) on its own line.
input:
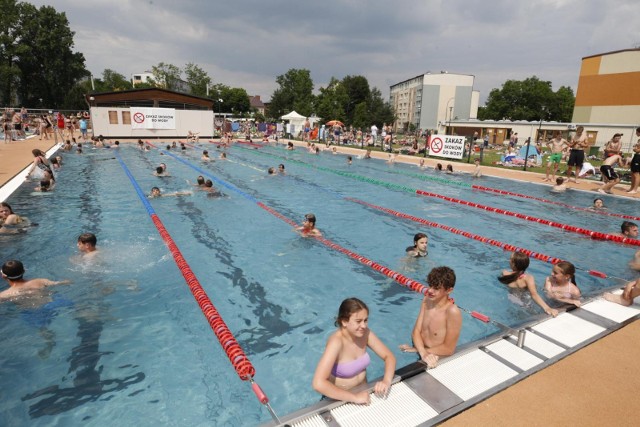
(593, 386)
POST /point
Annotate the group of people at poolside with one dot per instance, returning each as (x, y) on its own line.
(613, 158)
(342, 366)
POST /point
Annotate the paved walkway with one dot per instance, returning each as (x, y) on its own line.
(595, 386)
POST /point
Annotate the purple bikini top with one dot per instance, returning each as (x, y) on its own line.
(351, 369)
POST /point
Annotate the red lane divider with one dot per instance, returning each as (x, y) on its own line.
(236, 355)
(399, 278)
(277, 214)
(593, 234)
(553, 202)
(505, 246)
(497, 243)
(249, 143)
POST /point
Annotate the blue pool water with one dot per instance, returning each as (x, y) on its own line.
(128, 344)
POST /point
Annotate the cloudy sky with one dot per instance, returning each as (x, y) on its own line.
(247, 44)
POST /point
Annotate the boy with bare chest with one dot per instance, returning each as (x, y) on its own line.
(437, 328)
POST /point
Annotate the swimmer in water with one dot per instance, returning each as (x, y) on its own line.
(155, 192)
(419, 248)
(561, 285)
(87, 245)
(308, 228)
(517, 278)
(12, 272)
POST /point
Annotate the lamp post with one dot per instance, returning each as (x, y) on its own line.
(450, 108)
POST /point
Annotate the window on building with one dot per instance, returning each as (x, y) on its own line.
(113, 117)
(126, 117)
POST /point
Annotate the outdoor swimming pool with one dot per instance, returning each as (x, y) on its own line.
(131, 345)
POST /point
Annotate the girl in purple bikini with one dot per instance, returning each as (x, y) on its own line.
(344, 362)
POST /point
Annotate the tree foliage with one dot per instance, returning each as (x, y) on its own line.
(530, 99)
(38, 65)
(295, 92)
(166, 75)
(236, 101)
(113, 81)
(197, 78)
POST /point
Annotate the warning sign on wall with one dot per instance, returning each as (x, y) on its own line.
(153, 118)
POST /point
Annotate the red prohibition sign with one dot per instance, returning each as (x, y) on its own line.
(436, 145)
(138, 117)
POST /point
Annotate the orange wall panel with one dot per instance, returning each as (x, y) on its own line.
(608, 89)
(590, 66)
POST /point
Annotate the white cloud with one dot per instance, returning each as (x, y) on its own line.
(247, 44)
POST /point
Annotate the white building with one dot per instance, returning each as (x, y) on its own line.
(430, 101)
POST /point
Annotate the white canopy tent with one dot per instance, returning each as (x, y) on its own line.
(297, 120)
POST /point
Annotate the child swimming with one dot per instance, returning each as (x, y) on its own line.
(518, 279)
(561, 285)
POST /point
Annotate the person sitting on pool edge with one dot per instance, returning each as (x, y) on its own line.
(308, 228)
(343, 364)
(439, 321)
(13, 271)
(419, 248)
(630, 292)
(87, 244)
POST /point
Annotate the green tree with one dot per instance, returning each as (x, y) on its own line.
(295, 92)
(37, 55)
(166, 75)
(114, 81)
(197, 78)
(361, 116)
(380, 111)
(75, 98)
(530, 99)
(357, 90)
(9, 46)
(331, 100)
(235, 101)
(562, 109)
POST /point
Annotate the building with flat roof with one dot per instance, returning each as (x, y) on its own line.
(609, 88)
(429, 101)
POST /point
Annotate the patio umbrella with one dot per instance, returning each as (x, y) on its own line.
(334, 122)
